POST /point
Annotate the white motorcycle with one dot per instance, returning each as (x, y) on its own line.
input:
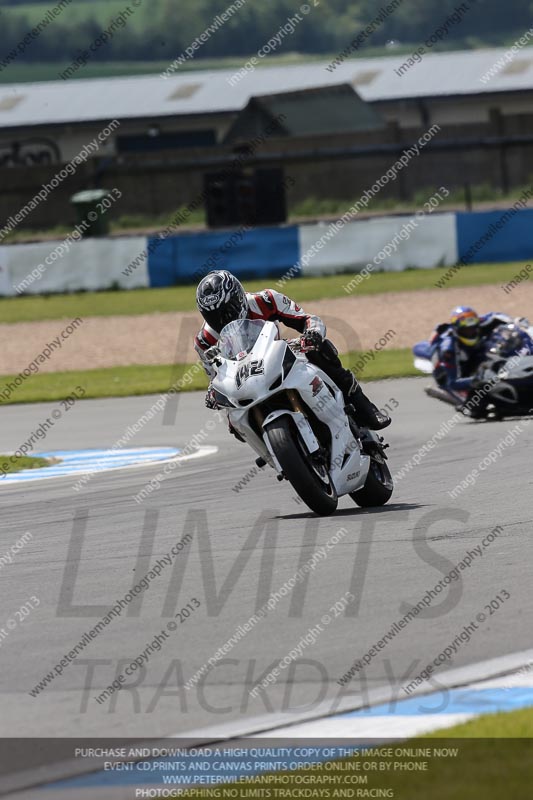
(292, 414)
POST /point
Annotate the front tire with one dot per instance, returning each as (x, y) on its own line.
(319, 496)
(378, 486)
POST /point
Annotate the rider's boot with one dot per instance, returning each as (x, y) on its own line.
(366, 413)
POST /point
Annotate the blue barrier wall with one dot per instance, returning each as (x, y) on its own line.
(439, 240)
(512, 241)
(266, 252)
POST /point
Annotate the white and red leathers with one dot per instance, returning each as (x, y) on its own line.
(268, 305)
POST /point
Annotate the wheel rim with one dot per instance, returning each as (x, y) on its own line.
(381, 471)
(322, 473)
(319, 470)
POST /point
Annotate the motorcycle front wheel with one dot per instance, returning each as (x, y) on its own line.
(311, 482)
(378, 486)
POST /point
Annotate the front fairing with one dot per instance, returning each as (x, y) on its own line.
(251, 379)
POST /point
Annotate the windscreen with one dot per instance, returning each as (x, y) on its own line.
(238, 338)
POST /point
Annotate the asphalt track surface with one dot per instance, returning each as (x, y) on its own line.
(387, 557)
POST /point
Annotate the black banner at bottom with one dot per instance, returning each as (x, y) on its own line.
(428, 767)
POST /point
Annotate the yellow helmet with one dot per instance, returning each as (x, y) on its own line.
(465, 323)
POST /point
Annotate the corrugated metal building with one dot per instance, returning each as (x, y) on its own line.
(198, 108)
(343, 128)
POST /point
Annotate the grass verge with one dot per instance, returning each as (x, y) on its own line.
(182, 298)
(18, 463)
(396, 363)
(111, 382)
(150, 379)
(506, 725)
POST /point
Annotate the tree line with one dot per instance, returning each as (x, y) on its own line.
(165, 28)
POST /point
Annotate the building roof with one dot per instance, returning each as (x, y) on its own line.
(317, 111)
(202, 92)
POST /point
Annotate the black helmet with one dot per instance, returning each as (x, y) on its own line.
(221, 298)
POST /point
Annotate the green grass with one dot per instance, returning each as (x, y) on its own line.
(96, 304)
(481, 193)
(155, 379)
(181, 298)
(18, 463)
(123, 224)
(387, 364)
(195, 218)
(44, 71)
(110, 382)
(307, 210)
(505, 725)
(20, 72)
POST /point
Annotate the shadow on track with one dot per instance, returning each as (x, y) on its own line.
(356, 511)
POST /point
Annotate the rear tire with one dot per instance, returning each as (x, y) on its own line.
(284, 439)
(378, 486)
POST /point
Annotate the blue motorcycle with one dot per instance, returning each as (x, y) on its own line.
(504, 380)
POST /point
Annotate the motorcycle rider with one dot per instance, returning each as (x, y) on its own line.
(460, 346)
(221, 299)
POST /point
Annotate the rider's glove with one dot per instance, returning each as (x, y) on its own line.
(311, 340)
(212, 356)
(295, 344)
(210, 399)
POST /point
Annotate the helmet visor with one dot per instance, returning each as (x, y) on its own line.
(235, 308)
(468, 331)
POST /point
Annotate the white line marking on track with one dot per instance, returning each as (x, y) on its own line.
(82, 462)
